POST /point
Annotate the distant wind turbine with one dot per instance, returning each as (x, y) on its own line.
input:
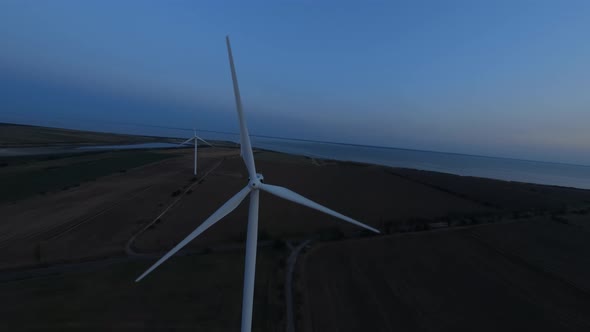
(195, 138)
(255, 184)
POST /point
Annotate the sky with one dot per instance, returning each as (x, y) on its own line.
(496, 78)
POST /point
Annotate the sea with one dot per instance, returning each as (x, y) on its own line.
(559, 174)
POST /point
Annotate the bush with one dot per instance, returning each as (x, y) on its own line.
(388, 227)
(263, 235)
(240, 237)
(278, 245)
(366, 232)
(38, 252)
(559, 219)
(282, 264)
(176, 193)
(331, 234)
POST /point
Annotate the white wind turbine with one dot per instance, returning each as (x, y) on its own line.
(255, 184)
(195, 138)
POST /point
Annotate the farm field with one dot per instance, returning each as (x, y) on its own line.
(503, 195)
(98, 218)
(377, 197)
(126, 208)
(15, 135)
(23, 177)
(200, 292)
(558, 250)
(92, 220)
(446, 281)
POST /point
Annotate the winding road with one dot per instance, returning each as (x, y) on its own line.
(290, 323)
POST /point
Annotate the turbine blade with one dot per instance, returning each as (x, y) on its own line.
(224, 210)
(245, 145)
(295, 197)
(202, 140)
(188, 140)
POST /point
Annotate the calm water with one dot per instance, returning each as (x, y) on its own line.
(488, 167)
(128, 146)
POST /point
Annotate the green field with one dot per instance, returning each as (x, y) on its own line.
(22, 177)
(14, 135)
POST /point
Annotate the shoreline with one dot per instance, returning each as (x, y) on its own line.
(35, 140)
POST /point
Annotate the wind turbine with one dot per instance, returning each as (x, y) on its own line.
(195, 138)
(255, 184)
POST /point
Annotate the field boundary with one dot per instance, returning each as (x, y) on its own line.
(129, 245)
(391, 171)
(515, 258)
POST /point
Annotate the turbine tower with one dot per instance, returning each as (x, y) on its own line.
(255, 184)
(195, 138)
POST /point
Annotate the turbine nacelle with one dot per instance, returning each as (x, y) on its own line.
(257, 182)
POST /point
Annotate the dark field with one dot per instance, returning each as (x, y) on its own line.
(525, 267)
(504, 195)
(14, 135)
(549, 246)
(22, 177)
(201, 293)
(518, 278)
(377, 197)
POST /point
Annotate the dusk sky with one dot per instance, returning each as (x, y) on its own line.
(498, 78)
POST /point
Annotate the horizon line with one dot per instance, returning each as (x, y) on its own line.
(298, 140)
